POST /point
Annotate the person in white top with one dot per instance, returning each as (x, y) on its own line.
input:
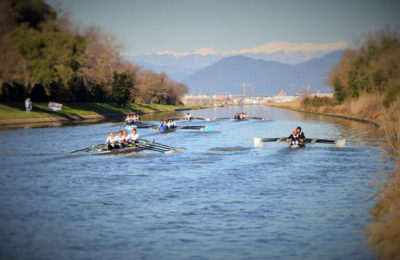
(28, 105)
(125, 137)
(110, 141)
(188, 117)
(133, 137)
(171, 124)
(119, 140)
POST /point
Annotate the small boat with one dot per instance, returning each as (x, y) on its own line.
(169, 130)
(258, 142)
(299, 145)
(103, 151)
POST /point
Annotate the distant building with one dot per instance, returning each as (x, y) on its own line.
(282, 93)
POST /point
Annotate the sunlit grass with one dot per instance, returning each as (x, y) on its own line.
(17, 110)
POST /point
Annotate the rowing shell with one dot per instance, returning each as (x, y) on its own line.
(120, 150)
(258, 142)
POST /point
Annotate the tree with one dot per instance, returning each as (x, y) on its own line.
(122, 82)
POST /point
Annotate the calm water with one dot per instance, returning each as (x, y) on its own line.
(221, 198)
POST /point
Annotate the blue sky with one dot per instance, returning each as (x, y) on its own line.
(150, 26)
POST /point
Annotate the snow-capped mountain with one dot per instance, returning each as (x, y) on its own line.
(179, 65)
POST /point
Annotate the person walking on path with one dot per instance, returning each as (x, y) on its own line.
(28, 105)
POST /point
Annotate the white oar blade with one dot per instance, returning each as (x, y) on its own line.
(258, 142)
(340, 143)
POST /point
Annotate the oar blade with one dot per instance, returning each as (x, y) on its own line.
(206, 129)
(340, 143)
(258, 142)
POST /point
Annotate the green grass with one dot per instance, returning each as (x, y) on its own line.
(17, 110)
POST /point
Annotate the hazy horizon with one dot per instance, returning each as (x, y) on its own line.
(185, 26)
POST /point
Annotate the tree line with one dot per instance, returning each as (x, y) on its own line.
(372, 68)
(45, 57)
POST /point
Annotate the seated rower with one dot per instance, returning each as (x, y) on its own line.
(297, 136)
(171, 124)
(162, 127)
(111, 141)
(120, 140)
(166, 124)
(133, 137)
(188, 117)
(301, 136)
(236, 117)
(128, 119)
(125, 137)
(293, 138)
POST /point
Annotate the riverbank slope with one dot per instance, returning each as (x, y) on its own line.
(14, 113)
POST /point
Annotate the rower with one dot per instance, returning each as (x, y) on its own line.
(236, 117)
(171, 124)
(128, 120)
(188, 117)
(125, 137)
(110, 141)
(119, 140)
(166, 124)
(297, 136)
(133, 137)
(293, 138)
(301, 136)
(162, 127)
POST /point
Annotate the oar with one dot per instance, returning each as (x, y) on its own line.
(157, 149)
(260, 118)
(158, 144)
(88, 148)
(163, 146)
(191, 127)
(338, 143)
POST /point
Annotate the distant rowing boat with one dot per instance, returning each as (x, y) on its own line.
(258, 142)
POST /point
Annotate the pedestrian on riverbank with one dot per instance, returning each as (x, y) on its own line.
(28, 105)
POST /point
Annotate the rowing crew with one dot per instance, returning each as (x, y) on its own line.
(122, 139)
(131, 119)
(166, 125)
(297, 136)
(240, 116)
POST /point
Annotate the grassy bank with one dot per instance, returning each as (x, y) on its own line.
(367, 108)
(384, 230)
(15, 113)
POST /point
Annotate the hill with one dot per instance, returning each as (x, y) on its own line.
(267, 77)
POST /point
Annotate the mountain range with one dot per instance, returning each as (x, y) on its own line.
(267, 67)
(266, 77)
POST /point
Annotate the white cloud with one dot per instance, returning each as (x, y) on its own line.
(268, 48)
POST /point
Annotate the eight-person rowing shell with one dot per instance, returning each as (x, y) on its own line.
(121, 140)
